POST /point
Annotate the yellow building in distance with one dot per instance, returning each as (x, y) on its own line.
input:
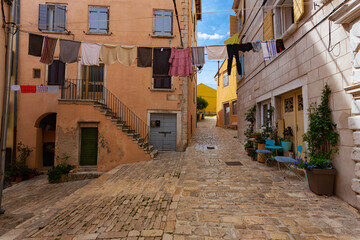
(209, 94)
(226, 104)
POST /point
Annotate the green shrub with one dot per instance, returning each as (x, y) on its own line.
(54, 174)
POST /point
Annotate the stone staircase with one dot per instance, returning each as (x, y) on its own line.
(127, 129)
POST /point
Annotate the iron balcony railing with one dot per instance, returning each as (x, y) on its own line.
(79, 89)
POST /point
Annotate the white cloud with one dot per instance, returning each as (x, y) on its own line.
(210, 36)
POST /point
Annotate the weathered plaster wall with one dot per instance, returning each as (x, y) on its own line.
(131, 23)
(309, 62)
(226, 94)
(114, 146)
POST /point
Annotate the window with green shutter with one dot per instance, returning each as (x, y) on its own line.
(163, 22)
(99, 20)
(52, 17)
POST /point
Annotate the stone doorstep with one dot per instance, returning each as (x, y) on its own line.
(83, 175)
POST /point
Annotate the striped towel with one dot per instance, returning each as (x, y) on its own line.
(42, 89)
(47, 55)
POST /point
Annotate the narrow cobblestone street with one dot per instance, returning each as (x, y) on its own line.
(191, 195)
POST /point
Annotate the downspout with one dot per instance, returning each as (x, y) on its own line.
(5, 114)
(16, 79)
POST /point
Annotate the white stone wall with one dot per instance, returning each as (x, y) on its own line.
(306, 63)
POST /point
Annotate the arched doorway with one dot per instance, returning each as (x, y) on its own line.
(47, 124)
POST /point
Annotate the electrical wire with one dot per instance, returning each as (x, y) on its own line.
(331, 48)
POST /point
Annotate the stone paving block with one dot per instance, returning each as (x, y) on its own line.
(152, 233)
(86, 236)
(110, 235)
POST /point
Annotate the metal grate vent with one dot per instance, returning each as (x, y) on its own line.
(210, 147)
(234, 163)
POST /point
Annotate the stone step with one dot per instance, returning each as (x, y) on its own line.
(86, 169)
(154, 154)
(83, 175)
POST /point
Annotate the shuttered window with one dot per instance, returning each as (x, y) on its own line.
(225, 80)
(162, 23)
(268, 26)
(99, 20)
(56, 73)
(299, 10)
(242, 66)
(52, 17)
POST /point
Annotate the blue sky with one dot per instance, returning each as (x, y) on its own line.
(213, 30)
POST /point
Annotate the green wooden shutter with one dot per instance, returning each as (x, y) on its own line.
(89, 146)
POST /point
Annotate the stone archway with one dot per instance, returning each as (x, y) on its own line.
(45, 140)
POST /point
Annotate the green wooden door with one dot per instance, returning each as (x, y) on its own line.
(89, 146)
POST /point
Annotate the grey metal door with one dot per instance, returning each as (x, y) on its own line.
(226, 114)
(163, 131)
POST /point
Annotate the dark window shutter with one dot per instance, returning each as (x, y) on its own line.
(43, 17)
(56, 73)
(60, 18)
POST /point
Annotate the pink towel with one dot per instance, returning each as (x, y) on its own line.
(180, 62)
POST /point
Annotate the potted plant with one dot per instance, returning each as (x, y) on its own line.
(248, 147)
(250, 118)
(322, 139)
(286, 141)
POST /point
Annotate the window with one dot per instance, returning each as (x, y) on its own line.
(283, 17)
(242, 74)
(225, 80)
(56, 73)
(52, 17)
(162, 23)
(162, 82)
(99, 20)
(264, 112)
(36, 73)
(234, 107)
(93, 82)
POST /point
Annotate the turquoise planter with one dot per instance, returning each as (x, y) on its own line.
(286, 146)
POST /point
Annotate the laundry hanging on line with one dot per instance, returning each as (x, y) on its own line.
(69, 51)
(198, 56)
(47, 55)
(144, 57)
(35, 45)
(180, 62)
(126, 55)
(90, 53)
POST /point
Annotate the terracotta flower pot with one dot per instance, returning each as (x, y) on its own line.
(321, 181)
(255, 136)
(18, 179)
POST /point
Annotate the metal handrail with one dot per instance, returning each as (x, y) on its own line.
(76, 89)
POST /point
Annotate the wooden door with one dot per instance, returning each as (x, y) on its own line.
(89, 146)
(292, 113)
(226, 114)
(93, 82)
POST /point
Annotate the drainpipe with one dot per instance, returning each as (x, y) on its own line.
(16, 79)
(5, 114)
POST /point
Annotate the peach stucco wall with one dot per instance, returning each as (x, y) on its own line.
(131, 23)
(114, 147)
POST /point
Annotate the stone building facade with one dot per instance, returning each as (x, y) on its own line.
(320, 49)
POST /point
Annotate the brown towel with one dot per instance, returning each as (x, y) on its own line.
(144, 56)
(47, 55)
(198, 55)
(35, 44)
(69, 51)
(161, 63)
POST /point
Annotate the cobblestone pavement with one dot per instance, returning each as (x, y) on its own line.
(191, 195)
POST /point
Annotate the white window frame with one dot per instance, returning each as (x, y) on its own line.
(261, 105)
(281, 19)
